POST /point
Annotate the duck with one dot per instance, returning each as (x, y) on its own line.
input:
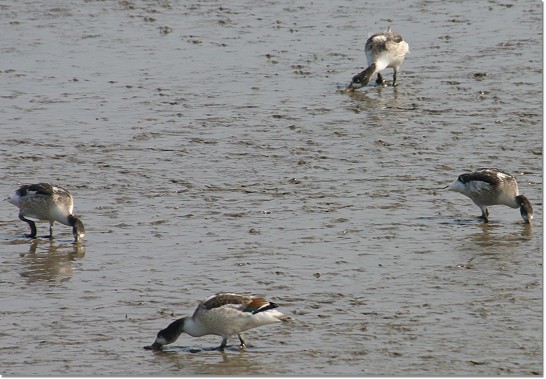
(46, 202)
(491, 186)
(385, 49)
(224, 314)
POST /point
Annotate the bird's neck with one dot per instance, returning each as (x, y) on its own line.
(508, 201)
(194, 328)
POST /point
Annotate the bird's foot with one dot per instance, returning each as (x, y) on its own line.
(484, 219)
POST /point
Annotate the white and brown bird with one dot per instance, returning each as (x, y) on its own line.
(386, 49)
(46, 202)
(224, 315)
(491, 186)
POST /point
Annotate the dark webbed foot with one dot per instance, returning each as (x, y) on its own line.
(243, 344)
(31, 235)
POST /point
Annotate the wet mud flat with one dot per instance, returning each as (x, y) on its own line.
(208, 148)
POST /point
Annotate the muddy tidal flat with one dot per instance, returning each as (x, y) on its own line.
(210, 147)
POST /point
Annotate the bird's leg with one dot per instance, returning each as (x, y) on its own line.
(243, 344)
(379, 80)
(223, 344)
(394, 75)
(485, 214)
(50, 229)
(31, 224)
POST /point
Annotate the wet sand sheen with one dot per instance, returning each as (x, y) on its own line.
(208, 149)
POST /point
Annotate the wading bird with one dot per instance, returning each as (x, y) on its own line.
(224, 315)
(491, 186)
(46, 202)
(386, 49)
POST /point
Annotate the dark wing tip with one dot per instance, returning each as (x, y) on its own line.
(266, 307)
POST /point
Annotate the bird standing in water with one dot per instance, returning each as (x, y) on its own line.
(224, 314)
(46, 202)
(386, 49)
(491, 186)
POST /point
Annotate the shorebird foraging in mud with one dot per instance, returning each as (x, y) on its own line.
(46, 202)
(491, 186)
(386, 49)
(224, 315)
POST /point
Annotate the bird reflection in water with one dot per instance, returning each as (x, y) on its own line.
(232, 361)
(51, 262)
(492, 242)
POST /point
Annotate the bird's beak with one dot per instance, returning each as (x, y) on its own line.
(155, 346)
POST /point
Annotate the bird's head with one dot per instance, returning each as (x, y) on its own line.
(78, 230)
(168, 335)
(362, 79)
(525, 208)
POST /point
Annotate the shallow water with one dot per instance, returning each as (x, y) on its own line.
(209, 149)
